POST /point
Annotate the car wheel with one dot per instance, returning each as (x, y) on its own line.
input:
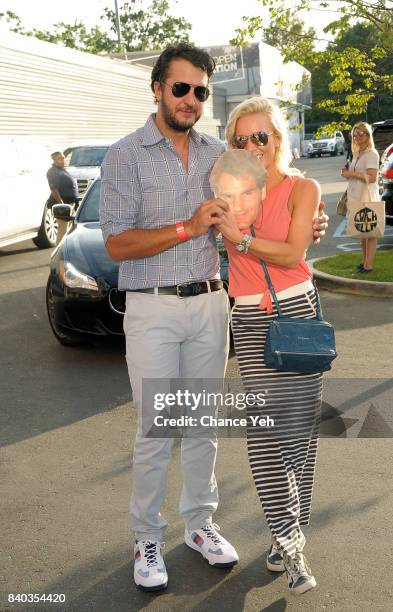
(47, 233)
(335, 152)
(67, 339)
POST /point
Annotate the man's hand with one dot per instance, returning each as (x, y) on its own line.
(229, 228)
(320, 224)
(209, 213)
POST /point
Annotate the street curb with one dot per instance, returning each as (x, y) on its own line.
(338, 284)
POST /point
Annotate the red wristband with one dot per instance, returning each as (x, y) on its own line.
(181, 232)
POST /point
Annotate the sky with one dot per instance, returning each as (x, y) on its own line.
(213, 21)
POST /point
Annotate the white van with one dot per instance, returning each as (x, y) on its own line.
(24, 191)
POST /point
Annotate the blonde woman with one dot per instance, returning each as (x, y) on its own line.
(363, 169)
(282, 460)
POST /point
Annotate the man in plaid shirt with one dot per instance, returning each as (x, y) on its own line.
(157, 216)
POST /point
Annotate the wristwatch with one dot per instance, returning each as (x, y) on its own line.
(244, 244)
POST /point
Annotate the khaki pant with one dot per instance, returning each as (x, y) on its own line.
(170, 337)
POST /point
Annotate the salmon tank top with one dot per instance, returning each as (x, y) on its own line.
(246, 276)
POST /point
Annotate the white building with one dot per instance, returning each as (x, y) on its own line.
(58, 95)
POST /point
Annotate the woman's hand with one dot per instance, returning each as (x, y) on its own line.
(346, 173)
(320, 224)
(229, 228)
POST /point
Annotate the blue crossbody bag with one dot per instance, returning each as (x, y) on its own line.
(298, 345)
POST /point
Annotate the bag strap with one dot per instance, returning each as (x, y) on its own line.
(272, 290)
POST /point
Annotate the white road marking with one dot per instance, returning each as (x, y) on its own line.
(355, 246)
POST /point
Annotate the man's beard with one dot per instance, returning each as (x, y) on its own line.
(173, 123)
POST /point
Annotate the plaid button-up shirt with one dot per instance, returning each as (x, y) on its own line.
(145, 185)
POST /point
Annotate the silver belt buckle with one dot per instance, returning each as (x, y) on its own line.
(178, 288)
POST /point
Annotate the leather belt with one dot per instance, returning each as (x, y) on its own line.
(186, 290)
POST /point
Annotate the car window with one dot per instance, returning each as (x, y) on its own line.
(90, 208)
(382, 138)
(85, 156)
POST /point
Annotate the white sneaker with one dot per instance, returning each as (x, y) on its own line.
(275, 557)
(299, 575)
(149, 567)
(213, 547)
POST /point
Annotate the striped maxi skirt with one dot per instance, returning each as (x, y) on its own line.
(282, 457)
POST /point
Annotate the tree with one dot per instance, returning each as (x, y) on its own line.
(77, 36)
(357, 75)
(150, 27)
(14, 21)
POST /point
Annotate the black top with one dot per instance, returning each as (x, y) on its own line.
(60, 179)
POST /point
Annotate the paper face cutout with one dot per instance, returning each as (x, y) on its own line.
(238, 178)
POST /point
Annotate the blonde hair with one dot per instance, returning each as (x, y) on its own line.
(366, 127)
(283, 156)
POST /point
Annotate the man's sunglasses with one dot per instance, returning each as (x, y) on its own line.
(180, 89)
(259, 138)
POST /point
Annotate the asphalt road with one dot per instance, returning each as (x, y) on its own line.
(67, 426)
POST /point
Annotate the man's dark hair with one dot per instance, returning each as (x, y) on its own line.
(197, 57)
(55, 153)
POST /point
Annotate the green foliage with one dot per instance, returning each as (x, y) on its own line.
(142, 27)
(14, 21)
(285, 31)
(353, 77)
(152, 28)
(76, 36)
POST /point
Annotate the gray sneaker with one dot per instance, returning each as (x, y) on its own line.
(300, 578)
(275, 557)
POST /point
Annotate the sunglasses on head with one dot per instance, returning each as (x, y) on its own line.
(180, 89)
(258, 138)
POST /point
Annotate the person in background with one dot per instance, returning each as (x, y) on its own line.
(363, 172)
(282, 460)
(348, 145)
(63, 188)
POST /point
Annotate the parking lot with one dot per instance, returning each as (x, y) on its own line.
(67, 425)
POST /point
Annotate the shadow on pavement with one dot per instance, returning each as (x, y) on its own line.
(46, 385)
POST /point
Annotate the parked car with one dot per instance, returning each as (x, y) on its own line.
(82, 296)
(386, 176)
(382, 135)
(331, 145)
(83, 161)
(24, 191)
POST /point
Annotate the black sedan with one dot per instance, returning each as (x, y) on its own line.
(82, 296)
